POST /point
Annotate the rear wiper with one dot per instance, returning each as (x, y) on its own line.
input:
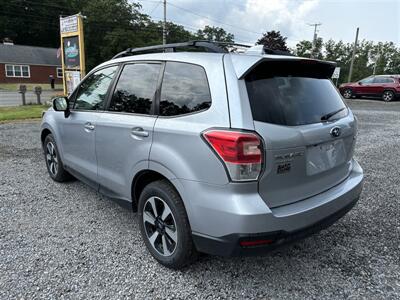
(331, 114)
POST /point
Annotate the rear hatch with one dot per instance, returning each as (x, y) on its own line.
(307, 128)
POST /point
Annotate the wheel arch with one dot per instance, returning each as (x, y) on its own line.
(388, 89)
(146, 176)
(45, 132)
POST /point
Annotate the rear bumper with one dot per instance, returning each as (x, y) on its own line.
(230, 245)
(222, 216)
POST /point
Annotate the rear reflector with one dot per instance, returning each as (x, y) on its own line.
(241, 152)
(255, 243)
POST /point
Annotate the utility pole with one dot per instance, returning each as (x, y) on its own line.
(378, 56)
(314, 43)
(164, 37)
(353, 56)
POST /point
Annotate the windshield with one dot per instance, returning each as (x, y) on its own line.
(290, 94)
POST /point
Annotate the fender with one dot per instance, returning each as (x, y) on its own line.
(46, 125)
(163, 170)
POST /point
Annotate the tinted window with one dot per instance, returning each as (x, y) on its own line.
(290, 94)
(184, 89)
(367, 80)
(135, 89)
(383, 80)
(93, 91)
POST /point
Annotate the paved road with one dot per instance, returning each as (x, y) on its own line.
(67, 241)
(14, 98)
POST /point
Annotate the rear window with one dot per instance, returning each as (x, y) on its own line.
(293, 93)
(184, 90)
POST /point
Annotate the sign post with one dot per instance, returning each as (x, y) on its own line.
(72, 51)
(336, 74)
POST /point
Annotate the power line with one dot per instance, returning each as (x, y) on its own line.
(195, 29)
(40, 4)
(39, 20)
(100, 24)
(155, 7)
(213, 20)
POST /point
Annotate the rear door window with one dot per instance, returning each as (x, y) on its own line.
(293, 93)
(136, 88)
(184, 89)
(383, 80)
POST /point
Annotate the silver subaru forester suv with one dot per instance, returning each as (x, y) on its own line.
(218, 152)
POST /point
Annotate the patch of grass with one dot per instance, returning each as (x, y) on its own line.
(29, 86)
(21, 112)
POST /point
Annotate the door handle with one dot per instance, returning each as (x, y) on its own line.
(89, 126)
(139, 132)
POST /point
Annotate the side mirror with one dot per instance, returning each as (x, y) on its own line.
(359, 83)
(61, 104)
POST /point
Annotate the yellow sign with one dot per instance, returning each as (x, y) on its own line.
(72, 51)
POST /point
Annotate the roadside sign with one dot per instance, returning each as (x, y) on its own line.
(72, 79)
(336, 73)
(69, 24)
(72, 51)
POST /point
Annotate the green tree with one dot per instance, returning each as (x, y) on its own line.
(273, 40)
(340, 53)
(176, 33)
(111, 26)
(305, 49)
(212, 33)
(386, 57)
(32, 22)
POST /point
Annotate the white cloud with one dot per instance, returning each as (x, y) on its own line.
(287, 16)
(339, 18)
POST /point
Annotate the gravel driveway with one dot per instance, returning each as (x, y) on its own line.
(67, 241)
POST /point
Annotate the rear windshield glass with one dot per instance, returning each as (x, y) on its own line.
(293, 93)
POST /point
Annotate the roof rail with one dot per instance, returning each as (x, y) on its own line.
(210, 46)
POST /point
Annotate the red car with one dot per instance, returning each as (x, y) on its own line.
(386, 87)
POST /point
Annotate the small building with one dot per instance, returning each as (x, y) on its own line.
(29, 64)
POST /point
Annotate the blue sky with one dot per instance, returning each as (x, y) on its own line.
(379, 20)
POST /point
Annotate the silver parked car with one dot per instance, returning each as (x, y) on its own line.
(219, 152)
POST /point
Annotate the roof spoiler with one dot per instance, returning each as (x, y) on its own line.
(244, 64)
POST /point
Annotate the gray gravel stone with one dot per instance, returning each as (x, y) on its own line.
(67, 241)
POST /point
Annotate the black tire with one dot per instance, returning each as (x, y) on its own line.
(388, 96)
(348, 93)
(164, 196)
(54, 164)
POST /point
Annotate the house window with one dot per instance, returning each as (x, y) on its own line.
(9, 71)
(18, 71)
(25, 71)
(59, 73)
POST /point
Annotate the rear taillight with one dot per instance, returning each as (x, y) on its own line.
(241, 152)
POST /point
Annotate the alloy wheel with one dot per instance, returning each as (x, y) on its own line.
(51, 158)
(160, 226)
(387, 96)
(347, 94)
